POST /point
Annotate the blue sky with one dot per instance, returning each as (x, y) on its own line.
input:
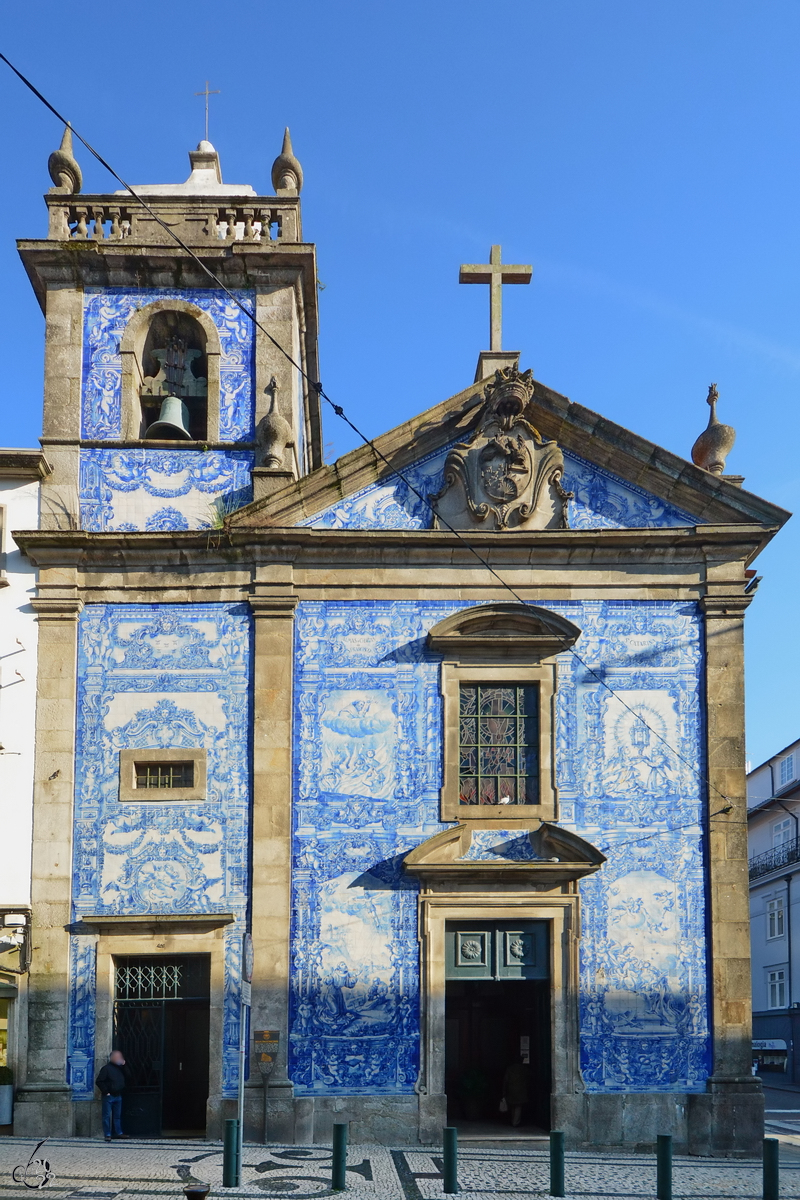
(645, 158)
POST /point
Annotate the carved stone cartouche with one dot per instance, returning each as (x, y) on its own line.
(273, 434)
(63, 167)
(715, 442)
(505, 476)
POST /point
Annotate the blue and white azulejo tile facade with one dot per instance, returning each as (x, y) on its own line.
(601, 500)
(368, 766)
(105, 315)
(148, 488)
(156, 490)
(154, 676)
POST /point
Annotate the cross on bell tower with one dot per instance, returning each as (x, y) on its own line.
(495, 273)
(206, 93)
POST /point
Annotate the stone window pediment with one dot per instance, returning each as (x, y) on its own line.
(523, 632)
(534, 853)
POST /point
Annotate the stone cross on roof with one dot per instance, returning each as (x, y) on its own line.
(495, 274)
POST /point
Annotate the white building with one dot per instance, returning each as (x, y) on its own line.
(20, 474)
(773, 814)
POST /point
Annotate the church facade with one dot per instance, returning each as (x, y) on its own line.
(453, 727)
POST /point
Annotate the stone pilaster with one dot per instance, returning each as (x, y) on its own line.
(62, 405)
(273, 603)
(729, 1118)
(44, 1106)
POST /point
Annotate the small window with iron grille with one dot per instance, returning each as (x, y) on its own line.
(498, 744)
(164, 775)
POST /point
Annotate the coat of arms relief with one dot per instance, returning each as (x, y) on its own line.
(506, 476)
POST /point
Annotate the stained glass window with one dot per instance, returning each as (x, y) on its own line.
(499, 744)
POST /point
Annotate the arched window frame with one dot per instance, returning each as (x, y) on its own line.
(131, 351)
(497, 644)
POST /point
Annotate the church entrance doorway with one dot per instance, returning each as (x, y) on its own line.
(497, 1026)
(161, 1025)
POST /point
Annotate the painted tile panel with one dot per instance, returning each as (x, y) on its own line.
(368, 751)
(601, 500)
(154, 490)
(152, 676)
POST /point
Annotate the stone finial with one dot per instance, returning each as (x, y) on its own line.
(715, 442)
(273, 433)
(287, 174)
(64, 170)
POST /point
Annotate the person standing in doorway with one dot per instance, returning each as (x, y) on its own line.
(516, 1088)
(111, 1081)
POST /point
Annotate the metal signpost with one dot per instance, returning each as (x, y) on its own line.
(265, 1045)
(247, 977)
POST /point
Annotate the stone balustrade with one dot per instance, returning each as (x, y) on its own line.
(195, 220)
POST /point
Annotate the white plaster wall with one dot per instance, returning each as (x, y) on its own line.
(18, 637)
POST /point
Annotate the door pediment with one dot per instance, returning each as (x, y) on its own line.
(536, 854)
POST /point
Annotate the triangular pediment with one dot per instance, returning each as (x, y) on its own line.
(617, 479)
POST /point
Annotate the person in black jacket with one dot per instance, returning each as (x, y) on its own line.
(111, 1081)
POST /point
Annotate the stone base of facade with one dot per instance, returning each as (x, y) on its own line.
(44, 1111)
(726, 1121)
(387, 1120)
(712, 1124)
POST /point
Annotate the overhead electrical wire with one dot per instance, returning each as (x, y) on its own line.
(339, 411)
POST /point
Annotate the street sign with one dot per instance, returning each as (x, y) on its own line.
(247, 958)
(247, 992)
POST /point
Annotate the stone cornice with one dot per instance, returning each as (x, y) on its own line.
(57, 608)
(124, 264)
(273, 606)
(270, 568)
(23, 464)
(725, 607)
(396, 548)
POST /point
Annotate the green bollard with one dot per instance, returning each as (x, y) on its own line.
(771, 1169)
(664, 1166)
(230, 1155)
(556, 1163)
(450, 1148)
(339, 1165)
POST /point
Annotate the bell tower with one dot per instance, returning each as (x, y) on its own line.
(165, 406)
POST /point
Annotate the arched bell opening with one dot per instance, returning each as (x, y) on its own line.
(170, 350)
(174, 389)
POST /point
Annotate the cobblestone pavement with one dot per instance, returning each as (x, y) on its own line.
(91, 1170)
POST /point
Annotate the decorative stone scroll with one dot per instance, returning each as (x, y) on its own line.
(506, 476)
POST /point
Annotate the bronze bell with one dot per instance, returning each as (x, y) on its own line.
(172, 423)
